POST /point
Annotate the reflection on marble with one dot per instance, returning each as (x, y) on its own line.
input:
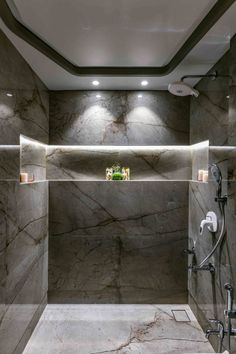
(116, 329)
(23, 208)
(33, 158)
(118, 242)
(23, 260)
(27, 111)
(118, 118)
(9, 162)
(200, 157)
(90, 163)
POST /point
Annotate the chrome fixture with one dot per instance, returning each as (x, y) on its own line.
(219, 332)
(216, 174)
(224, 330)
(188, 251)
(207, 267)
(229, 313)
(180, 88)
(210, 222)
(221, 200)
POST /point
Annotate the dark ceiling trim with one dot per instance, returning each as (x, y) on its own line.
(23, 32)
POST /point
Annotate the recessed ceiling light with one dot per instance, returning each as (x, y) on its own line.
(227, 97)
(9, 94)
(95, 83)
(98, 96)
(140, 96)
(144, 83)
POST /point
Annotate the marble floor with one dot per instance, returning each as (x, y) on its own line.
(121, 329)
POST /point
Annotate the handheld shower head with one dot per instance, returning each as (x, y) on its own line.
(216, 174)
(180, 88)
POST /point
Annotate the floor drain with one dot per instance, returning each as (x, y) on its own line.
(180, 316)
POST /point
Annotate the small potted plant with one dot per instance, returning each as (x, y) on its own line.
(117, 174)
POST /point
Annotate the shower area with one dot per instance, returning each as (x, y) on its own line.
(92, 266)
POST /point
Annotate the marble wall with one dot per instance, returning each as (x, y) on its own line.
(213, 117)
(145, 163)
(23, 208)
(33, 158)
(114, 242)
(118, 118)
(26, 111)
(23, 254)
(118, 242)
(9, 162)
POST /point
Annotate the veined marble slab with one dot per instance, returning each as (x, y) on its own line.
(33, 158)
(113, 242)
(200, 158)
(145, 163)
(213, 117)
(27, 110)
(9, 162)
(118, 118)
(120, 329)
(23, 260)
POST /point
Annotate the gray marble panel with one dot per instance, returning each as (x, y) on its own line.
(118, 242)
(9, 162)
(23, 313)
(118, 118)
(118, 269)
(33, 158)
(232, 94)
(23, 255)
(90, 163)
(26, 111)
(104, 208)
(209, 111)
(200, 158)
(206, 289)
(232, 64)
(232, 116)
(213, 117)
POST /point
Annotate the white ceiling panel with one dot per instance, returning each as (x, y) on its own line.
(119, 33)
(114, 32)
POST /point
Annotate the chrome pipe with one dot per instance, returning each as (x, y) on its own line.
(230, 298)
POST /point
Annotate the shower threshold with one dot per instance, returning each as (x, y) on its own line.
(119, 329)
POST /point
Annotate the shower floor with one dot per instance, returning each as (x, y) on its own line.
(121, 329)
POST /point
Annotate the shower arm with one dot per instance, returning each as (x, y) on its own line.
(213, 76)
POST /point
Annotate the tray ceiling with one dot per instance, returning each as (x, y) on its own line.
(119, 33)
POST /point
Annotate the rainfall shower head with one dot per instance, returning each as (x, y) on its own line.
(180, 88)
(216, 174)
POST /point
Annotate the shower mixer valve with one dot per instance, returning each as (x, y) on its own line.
(210, 222)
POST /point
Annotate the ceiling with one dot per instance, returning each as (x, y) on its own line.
(119, 33)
